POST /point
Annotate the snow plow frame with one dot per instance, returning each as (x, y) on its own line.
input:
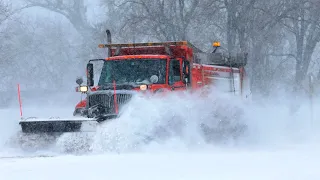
(52, 125)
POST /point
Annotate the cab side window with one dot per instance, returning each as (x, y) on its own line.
(174, 75)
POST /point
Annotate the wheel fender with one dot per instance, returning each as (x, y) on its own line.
(80, 107)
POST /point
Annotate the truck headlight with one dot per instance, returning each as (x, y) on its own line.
(143, 87)
(83, 89)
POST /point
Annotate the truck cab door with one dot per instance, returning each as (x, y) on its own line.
(175, 75)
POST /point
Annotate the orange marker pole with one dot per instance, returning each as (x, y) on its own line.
(115, 96)
(20, 102)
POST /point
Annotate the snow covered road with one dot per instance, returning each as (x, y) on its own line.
(279, 145)
(227, 165)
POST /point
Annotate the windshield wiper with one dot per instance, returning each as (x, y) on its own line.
(110, 86)
(106, 86)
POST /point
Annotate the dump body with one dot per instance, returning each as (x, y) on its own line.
(223, 79)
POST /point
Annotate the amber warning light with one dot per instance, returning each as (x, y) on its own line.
(216, 44)
(101, 45)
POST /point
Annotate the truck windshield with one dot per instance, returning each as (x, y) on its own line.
(134, 71)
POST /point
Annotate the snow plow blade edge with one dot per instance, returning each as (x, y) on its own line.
(52, 125)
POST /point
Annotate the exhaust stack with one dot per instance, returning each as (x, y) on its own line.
(109, 40)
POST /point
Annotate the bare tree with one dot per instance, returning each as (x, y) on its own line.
(304, 25)
(164, 20)
(262, 26)
(75, 12)
(238, 16)
(5, 11)
(258, 27)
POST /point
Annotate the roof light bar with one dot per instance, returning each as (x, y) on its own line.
(176, 43)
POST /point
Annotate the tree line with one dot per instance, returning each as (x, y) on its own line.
(280, 36)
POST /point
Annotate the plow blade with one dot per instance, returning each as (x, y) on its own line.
(52, 125)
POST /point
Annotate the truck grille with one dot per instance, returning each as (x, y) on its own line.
(107, 100)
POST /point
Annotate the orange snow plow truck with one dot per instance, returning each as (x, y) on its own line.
(136, 68)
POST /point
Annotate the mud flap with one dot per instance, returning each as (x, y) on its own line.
(52, 125)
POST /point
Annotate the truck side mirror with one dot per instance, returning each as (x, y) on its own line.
(90, 81)
(79, 81)
(186, 72)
